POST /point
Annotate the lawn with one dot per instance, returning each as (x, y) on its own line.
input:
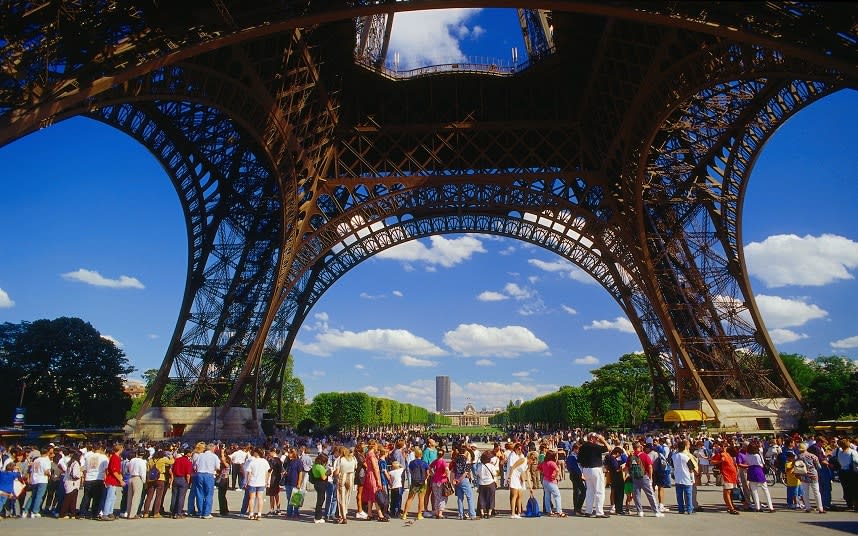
(469, 430)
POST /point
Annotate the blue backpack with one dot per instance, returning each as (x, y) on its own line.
(661, 469)
(532, 508)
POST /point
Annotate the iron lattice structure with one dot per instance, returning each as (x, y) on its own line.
(624, 144)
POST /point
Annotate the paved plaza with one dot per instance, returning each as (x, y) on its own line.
(713, 520)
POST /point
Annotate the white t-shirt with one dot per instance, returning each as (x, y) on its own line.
(486, 473)
(396, 478)
(38, 469)
(238, 457)
(256, 473)
(137, 467)
(95, 465)
(682, 474)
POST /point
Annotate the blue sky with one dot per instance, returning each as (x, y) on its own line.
(93, 228)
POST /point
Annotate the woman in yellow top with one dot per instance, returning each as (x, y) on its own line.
(155, 487)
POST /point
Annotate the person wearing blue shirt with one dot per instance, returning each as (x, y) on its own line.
(7, 483)
(579, 491)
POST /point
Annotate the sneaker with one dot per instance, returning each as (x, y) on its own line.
(427, 514)
(404, 516)
(659, 514)
(317, 521)
(207, 517)
(515, 516)
(640, 514)
(361, 515)
(36, 514)
(419, 515)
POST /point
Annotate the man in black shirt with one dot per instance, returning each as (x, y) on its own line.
(590, 458)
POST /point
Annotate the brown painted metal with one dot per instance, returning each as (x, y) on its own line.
(626, 151)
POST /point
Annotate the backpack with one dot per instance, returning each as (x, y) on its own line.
(417, 471)
(799, 468)
(661, 468)
(153, 474)
(532, 509)
(314, 479)
(636, 469)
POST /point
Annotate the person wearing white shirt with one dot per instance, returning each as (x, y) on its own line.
(206, 466)
(136, 468)
(40, 471)
(683, 478)
(237, 459)
(94, 467)
(256, 478)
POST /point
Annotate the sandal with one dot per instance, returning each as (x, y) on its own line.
(560, 514)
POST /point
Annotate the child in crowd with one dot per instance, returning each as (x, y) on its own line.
(794, 499)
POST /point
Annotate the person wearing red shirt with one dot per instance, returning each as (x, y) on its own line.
(112, 481)
(182, 469)
(729, 476)
(642, 482)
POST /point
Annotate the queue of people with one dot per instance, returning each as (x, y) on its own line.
(394, 476)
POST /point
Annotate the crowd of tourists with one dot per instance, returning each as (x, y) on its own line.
(409, 476)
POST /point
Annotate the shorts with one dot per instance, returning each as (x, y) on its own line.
(255, 489)
(727, 485)
(417, 488)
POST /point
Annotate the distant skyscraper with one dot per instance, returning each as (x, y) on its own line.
(442, 394)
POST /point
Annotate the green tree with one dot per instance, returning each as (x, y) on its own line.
(832, 391)
(292, 396)
(802, 370)
(73, 375)
(623, 390)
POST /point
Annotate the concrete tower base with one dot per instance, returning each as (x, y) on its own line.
(195, 424)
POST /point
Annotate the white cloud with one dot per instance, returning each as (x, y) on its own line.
(370, 389)
(845, 344)
(783, 336)
(152, 336)
(782, 260)
(565, 268)
(491, 296)
(359, 366)
(368, 296)
(485, 363)
(91, 277)
(420, 392)
(318, 373)
(398, 293)
(570, 310)
(780, 312)
(5, 300)
(424, 38)
(496, 394)
(389, 341)
(479, 340)
(587, 360)
(113, 340)
(517, 292)
(620, 323)
(409, 361)
(443, 251)
(521, 374)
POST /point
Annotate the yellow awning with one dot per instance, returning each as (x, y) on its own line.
(686, 415)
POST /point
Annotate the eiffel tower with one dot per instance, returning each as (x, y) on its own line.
(623, 142)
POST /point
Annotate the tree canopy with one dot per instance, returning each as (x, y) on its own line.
(828, 384)
(620, 395)
(350, 411)
(72, 375)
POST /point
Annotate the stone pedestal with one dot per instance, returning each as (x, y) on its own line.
(753, 415)
(195, 424)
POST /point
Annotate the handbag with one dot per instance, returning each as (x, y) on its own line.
(447, 489)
